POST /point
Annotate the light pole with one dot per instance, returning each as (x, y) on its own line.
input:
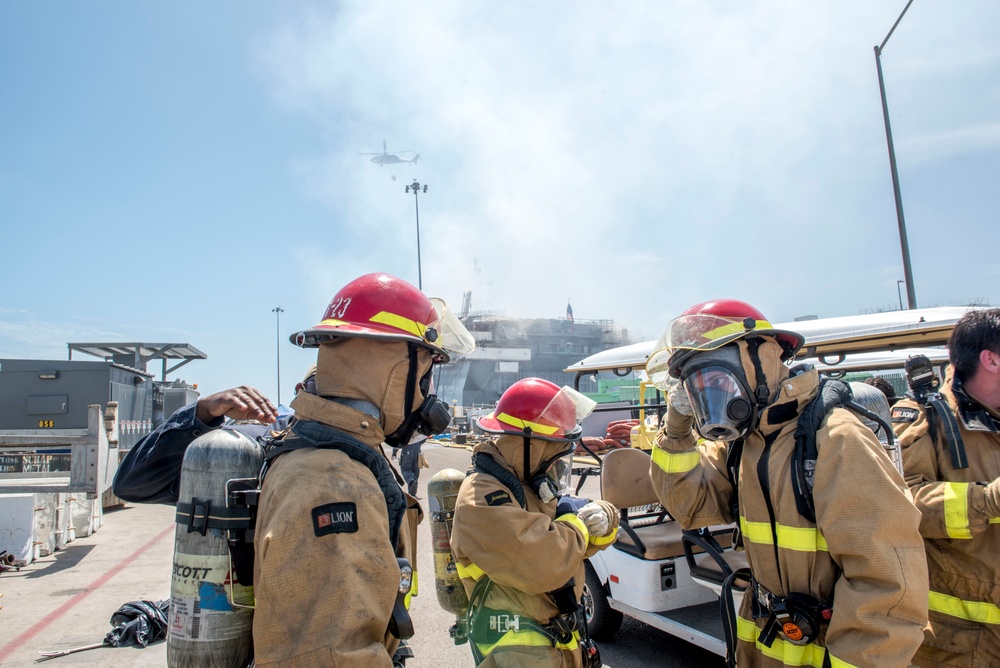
(277, 311)
(899, 294)
(911, 295)
(416, 188)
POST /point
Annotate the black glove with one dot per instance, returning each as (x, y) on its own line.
(570, 504)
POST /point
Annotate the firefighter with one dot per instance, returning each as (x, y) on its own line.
(837, 570)
(332, 519)
(953, 469)
(326, 574)
(519, 538)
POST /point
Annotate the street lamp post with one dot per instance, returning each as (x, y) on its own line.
(899, 294)
(911, 294)
(415, 187)
(277, 311)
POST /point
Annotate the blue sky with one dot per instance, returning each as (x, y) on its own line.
(170, 172)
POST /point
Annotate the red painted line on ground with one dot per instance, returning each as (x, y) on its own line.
(43, 623)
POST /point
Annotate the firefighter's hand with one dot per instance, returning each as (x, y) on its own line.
(992, 494)
(680, 401)
(600, 517)
(239, 403)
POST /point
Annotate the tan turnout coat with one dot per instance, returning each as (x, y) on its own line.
(326, 600)
(526, 552)
(863, 554)
(963, 543)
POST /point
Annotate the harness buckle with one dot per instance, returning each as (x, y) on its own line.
(504, 623)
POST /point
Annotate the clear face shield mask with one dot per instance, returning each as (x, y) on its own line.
(721, 402)
(555, 478)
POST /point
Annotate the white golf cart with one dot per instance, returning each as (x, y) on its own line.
(669, 578)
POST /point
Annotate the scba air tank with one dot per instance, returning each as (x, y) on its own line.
(209, 625)
(442, 493)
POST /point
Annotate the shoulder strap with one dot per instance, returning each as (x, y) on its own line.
(938, 409)
(395, 502)
(832, 393)
(734, 456)
(484, 463)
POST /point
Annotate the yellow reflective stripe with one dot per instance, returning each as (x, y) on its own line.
(399, 322)
(733, 328)
(956, 509)
(784, 651)
(800, 539)
(542, 429)
(973, 611)
(605, 540)
(675, 462)
(573, 520)
(414, 589)
(471, 571)
(994, 520)
(529, 639)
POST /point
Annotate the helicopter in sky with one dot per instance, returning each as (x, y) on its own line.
(386, 158)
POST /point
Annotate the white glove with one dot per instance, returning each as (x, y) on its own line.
(680, 401)
(992, 499)
(595, 518)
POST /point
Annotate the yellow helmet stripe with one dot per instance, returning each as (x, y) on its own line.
(542, 429)
(733, 328)
(399, 322)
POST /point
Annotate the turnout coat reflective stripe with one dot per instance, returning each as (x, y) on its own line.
(863, 554)
(962, 541)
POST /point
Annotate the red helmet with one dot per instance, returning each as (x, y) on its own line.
(711, 325)
(381, 306)
(552, 413)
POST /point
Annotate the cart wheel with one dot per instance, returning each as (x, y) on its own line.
(603, 621)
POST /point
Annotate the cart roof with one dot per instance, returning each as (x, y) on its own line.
(828, 340)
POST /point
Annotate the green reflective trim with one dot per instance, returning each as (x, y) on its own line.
(995, 520)
(676, 462)
(414, 589)
(528, 638)
(800, 539)
(784, 651)
(574, 521)
(956, 510)
(469, 572)
(973, 611)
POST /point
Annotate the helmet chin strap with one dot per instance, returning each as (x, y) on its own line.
(761, 392)
(527, 454)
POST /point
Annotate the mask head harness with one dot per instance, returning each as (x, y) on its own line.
(431, 417)
(712, 326)
(724, 405)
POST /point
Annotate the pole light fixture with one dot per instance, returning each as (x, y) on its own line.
(416, 189)
(911, 295)
(277, 311)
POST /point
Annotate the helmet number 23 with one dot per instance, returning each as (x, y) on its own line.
(338, 307)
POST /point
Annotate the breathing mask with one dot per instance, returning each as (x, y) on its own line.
(432, 417)
(723, 405)
(554, 476)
